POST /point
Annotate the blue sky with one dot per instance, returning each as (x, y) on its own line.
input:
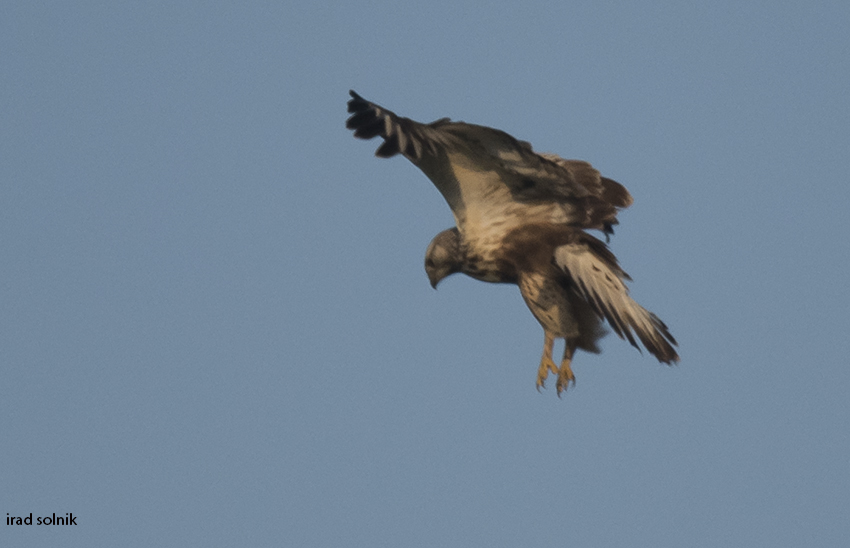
(216, 328)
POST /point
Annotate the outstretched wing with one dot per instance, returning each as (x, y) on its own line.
(600, 280)
(496, 164)
(401, 135)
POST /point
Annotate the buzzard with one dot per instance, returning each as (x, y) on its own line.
(521, 218)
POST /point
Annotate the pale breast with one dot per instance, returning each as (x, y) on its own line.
(485, 210)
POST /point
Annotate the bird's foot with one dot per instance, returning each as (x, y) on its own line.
(546, 365)
(565, 377)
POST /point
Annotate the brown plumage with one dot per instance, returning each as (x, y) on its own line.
(520, 218)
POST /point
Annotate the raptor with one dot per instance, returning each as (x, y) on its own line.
(521, 217)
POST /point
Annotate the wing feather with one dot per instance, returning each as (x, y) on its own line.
(600, 280)
(588, 199)
(401, 135)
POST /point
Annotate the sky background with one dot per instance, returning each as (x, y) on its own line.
(216, 328)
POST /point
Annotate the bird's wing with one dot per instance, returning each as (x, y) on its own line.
(401, 135)
(599, 279)
(443, 146)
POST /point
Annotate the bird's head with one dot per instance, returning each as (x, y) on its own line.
(443, 257)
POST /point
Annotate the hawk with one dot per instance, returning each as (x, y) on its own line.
(521, 218)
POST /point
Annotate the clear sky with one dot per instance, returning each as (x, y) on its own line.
(216, 328)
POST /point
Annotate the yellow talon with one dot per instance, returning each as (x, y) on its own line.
(546, 365)
(565, 377)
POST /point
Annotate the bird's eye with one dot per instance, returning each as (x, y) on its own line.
(526, 184)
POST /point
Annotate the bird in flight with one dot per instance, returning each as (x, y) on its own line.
(521, 218)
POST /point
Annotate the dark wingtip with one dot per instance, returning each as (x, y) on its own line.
(616, 194)
(356, 103)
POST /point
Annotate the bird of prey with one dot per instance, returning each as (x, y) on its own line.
(521, 218)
